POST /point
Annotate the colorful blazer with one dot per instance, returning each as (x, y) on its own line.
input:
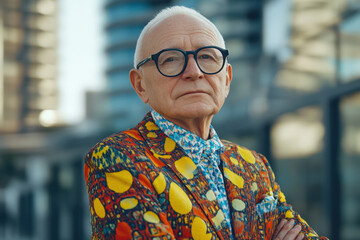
(141, 185)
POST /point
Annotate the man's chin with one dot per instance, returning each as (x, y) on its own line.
(195, 112)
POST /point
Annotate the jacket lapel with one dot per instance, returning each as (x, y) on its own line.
(176, 160)
(241, 189)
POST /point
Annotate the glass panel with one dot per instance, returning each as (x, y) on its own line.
(121, 57)
(42, 71)
(119, 80)
(122, 34)
(12, 34)
(296, 144)
(12, 18)
(125, 11)
(40, 22)
(42, 55)
(45, 7)
(247, 140)
(312, 67)
(125, 103)
(350, 167)
(350, 50)
(298, 134)
(42, 39)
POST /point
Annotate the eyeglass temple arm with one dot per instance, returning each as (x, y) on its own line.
(143, 62)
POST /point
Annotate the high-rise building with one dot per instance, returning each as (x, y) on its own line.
(28, 88)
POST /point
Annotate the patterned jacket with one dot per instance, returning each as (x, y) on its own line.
(142, 185)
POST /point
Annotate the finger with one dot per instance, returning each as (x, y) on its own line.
(285, 229)
(280, 226)
(300, 236)
(293, 233)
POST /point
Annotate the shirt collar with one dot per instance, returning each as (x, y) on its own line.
(190, 142)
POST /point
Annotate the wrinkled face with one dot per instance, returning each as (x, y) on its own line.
(192, 94)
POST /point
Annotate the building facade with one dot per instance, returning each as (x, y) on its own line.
(28, 87)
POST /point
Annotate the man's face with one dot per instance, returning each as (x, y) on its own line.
(192, 94)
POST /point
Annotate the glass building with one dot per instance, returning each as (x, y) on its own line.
(310, 124)
(28, 87)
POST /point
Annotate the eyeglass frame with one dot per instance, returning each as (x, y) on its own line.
(155, 57)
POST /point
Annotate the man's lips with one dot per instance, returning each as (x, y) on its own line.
(193, 92)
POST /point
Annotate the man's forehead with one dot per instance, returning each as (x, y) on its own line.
(177, 25)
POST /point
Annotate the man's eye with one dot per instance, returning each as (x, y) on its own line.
(169, 59)
(206, 56)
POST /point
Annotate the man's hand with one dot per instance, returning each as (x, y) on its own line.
(286, 230)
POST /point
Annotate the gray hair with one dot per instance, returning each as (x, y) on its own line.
(164, 14)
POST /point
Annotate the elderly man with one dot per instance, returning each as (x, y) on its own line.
(171, 177)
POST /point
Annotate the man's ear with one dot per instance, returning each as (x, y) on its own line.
(138, 83)
(228, 78)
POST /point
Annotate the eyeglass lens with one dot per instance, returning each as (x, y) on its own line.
(209, 60)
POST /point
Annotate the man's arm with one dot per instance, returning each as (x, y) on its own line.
(123, 203)
(286, 212)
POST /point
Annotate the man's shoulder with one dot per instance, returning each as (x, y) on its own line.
(124, 138)
(236, 147)
(120, 139)
(249, 155)
(111, 147)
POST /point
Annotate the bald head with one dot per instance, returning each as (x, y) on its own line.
(179, 12)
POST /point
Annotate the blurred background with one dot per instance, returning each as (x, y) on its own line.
(295, 97)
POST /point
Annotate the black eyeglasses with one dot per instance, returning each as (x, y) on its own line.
(172, 62)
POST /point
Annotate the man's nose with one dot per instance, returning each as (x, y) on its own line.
(192, 71)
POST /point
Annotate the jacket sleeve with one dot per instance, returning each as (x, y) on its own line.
(285, 209)
(122, 200)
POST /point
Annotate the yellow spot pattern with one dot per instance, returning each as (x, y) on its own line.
(199, 230)
(302, 220)
(99, 208)
(234, 178)
(234, 161)
(281, 197)
(289, 214)
(151, 217)
(312, 235)
(128, 203)
(119, 182)
(186, 167)
(169, 145)
(160, 156)
(179, 201)
(151, 126)
(151, 135)
(218, 219)
(254, 187)
(247, 155)
(238, 204)
(210, 195)
(159, 183)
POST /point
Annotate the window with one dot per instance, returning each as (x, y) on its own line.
(297, 140)
(119, 80)
(121, 57)
(350, 50)
(122, 34)
(350, 166)
(125, 11)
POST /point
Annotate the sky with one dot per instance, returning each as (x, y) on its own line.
(80, 55)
